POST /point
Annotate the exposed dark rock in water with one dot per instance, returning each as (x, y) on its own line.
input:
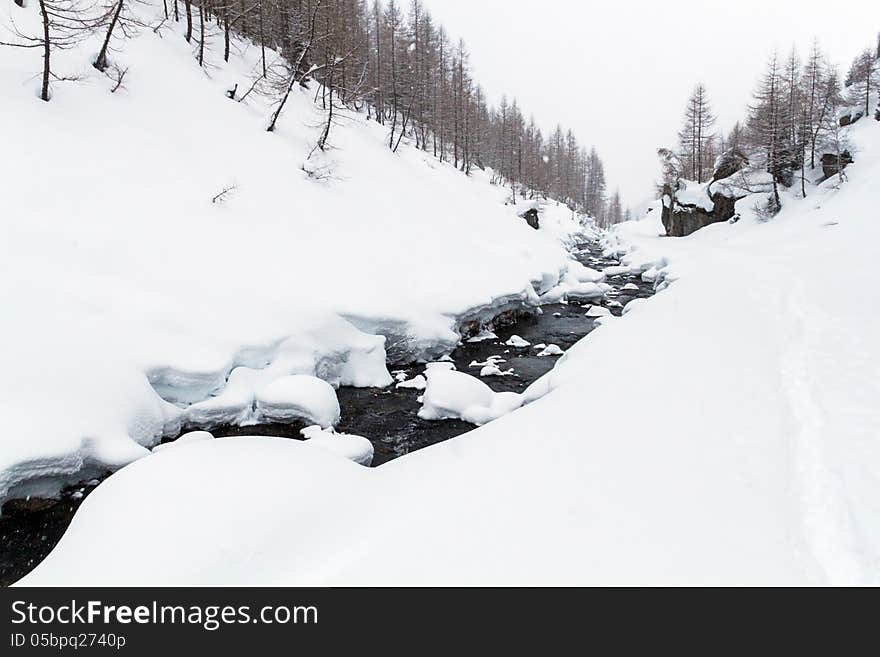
(29, 529)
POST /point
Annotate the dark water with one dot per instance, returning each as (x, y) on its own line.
(388, 417)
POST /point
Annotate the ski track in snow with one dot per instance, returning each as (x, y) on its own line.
(827, 514)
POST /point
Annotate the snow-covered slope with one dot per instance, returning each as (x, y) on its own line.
(726, 431)
(116, 266)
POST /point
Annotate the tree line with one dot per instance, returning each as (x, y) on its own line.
(398, 65)
(795, 116)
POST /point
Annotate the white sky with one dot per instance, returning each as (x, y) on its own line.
(618, 72)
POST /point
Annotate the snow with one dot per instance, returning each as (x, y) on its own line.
(185, 439)
(418, 382)
(353, 448)
(494, 370)
(598, 311)
(753, 458)
(455, 395)
(695, 194)
(136, 307)
(630, 287)
(483, 336)
(517, 342)
(299, 397)
(551, 350)
(491, 360)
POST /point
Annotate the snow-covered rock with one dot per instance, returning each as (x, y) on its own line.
(185, 439)
(551, 350)
(354, 448)
(298, 397)
(482, 336)
(456, 395)
(418, 382)
(517, 342)
(494, 370)
(598, 311)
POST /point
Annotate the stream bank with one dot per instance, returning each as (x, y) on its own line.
(30, 529)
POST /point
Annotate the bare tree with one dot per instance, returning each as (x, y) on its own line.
(64, 24)
(696, 135)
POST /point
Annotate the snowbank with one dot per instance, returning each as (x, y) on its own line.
(452, 395)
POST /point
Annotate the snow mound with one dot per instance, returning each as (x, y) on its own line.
(598, 311)
(517, 342)
(551, 350)
(494, 370)
(456, 395)
(185, 439)
(298, 397)
(418, 382)
(482, 337)
(353, 448)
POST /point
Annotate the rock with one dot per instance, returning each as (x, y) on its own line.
(551, 350)
(831, 166)
(518, 342)
(729, 163)
(416, 383)
(682, 219)
(28, 505)
(532, 218)
(852, 117)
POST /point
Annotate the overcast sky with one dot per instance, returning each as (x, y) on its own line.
(618, 72)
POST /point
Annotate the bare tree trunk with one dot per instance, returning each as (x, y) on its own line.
(294, 75)
(47, 46)
(201, 33)
(325, 134)
(189, 20)
(263, 42)
(176, 12)
(101, 59)
(225, 33)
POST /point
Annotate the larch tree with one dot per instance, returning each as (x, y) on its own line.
(696, 135)
(862, 79)
(767, 125)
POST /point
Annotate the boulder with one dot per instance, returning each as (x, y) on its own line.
(852, 117)
(682, 219)
(729, 163)
(832, 165)
(532, 218)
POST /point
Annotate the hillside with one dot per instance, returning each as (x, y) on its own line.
(121, 277)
